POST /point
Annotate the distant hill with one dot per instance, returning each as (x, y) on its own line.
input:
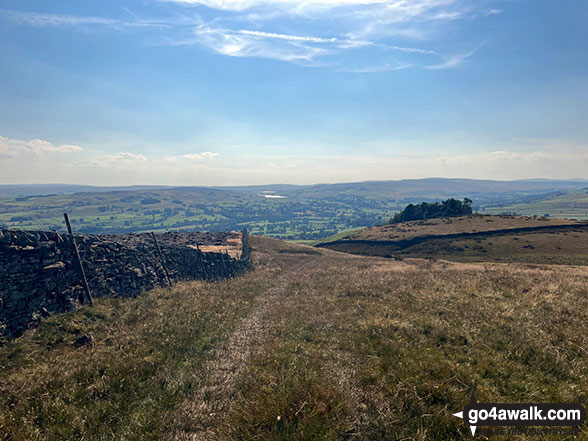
(45, 189)
(570, 204)
(295, 212)
(433, 188)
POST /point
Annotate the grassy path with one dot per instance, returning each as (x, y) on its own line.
(311, 345)
(146, 356)
(197, 419)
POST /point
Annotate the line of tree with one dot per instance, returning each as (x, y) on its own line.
(449, 208)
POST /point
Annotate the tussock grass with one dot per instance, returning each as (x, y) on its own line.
(338, 346)
(542, 247)
(144, 358)
(286, 396)
(450, 225)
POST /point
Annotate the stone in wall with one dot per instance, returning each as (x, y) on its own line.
(39, 274)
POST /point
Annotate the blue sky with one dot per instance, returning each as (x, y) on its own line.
(209, 92)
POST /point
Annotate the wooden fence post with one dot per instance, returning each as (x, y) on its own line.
(245, 249)
(77, 253)
(202, 265)
(222, 256)
(162, 260)
(230, 264)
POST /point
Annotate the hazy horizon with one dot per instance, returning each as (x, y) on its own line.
(208, 92)
(40, 184)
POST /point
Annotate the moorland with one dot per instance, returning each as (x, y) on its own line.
(480, 238)
(310, 344)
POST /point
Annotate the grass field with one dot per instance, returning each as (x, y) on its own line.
(476, 238)
(297, 217)
(301, 213)
(453, 225)
(571, 205)
(311, 344)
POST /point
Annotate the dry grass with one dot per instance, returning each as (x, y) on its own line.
(146, 355)
(453, 225)
(321, 346)
(544, 247)
(556, 247)
(233, 247)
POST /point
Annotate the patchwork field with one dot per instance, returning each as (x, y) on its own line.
(296, 217)
(291, 212)
(311, 344)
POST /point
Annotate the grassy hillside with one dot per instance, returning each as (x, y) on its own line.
(454, 225)
(572, 204)
(312, 344)
(476, 238)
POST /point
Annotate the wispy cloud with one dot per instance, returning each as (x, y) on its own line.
(401, 9)
(190, 157)
(336, 33)
(501, 156)
(82, 21)
(377, 68)
(493, 12)
(451, 61)
(40, 19)
(243, 43)
(126, 156)
(297, 5)
(512, 164)
(287, 37)
(548, 158)
(119, 160)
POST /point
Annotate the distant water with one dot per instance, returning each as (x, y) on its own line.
(270, 194)
(273, 196)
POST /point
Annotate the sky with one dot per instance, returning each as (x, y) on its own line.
(236, 92)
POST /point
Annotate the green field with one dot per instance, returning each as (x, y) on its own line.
(302, 213)
(190, 209)
(571, 205)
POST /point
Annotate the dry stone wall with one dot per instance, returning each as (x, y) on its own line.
(39, 274)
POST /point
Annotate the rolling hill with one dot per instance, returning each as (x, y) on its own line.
(291, 212)
(570, 204)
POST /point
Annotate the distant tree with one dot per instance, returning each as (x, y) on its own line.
(449, 208)
(149, 200)
(21, 218)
